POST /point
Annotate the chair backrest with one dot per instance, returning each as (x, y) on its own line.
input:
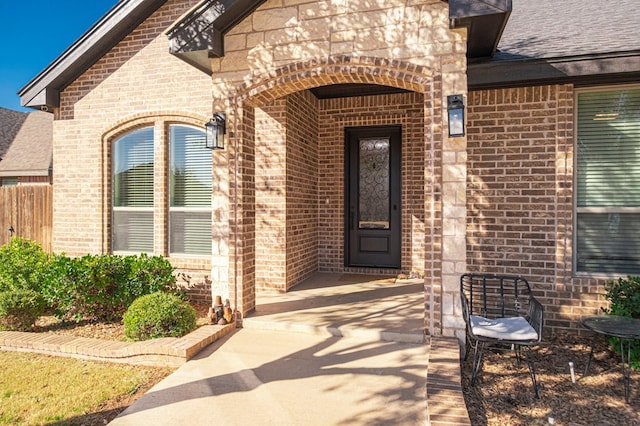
(495, 296)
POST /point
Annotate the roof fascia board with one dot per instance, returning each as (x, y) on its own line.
(587, 69)
(42, 92)
(485, 21)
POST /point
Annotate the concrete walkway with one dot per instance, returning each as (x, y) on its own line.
(337, 350)
(258, 377)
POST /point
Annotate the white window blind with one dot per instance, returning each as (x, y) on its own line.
(190, 181)
(608, 182)
(133, 192)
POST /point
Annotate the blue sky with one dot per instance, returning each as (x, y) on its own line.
(36, 32)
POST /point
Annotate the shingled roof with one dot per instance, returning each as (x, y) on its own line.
(552, 29)
(10, 123)
(577, 41)
(25, 143)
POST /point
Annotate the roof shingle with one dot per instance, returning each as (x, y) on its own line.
(552, 28)
(28, 140)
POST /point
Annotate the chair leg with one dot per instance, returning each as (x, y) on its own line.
(467, 346)
(477, 360)
(517, 349)
(532, 371)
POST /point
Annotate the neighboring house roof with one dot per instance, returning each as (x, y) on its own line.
(10, 123)
(583, 41)
(543, 41)
(29, 151)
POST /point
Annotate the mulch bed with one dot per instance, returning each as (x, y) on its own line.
(99, 329)
(503, 393)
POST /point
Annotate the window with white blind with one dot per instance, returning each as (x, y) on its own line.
(190, 186)
(607, 231)
(133, 192)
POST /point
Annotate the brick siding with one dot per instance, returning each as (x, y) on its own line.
(520, 189)
(136, 84)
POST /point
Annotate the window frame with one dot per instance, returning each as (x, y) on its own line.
(160, 122)
(576, 210)
(182, 209)
(114, 208)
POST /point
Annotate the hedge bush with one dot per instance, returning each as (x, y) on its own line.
(22, 265)
(624, 298)
(158, 315)
(19, 309)
(90, 287)
(103, 286)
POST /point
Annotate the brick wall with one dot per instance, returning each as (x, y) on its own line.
(302, 187)
(520, 181)
(286, 191)
(278, 50)
(138, 83)
(271, 195)
(336, 114)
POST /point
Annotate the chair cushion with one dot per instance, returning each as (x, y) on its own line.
(513, 328)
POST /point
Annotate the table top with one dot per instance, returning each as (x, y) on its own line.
(613, 325)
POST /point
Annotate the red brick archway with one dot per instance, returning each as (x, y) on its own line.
(264, 89)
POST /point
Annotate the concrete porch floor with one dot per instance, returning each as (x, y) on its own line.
(347, 305)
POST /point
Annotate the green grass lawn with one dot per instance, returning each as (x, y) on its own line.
(38, 389)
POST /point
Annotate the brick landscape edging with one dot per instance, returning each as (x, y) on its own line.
(164, 352)
(445, 400)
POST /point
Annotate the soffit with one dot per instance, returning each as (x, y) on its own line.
(199, 35)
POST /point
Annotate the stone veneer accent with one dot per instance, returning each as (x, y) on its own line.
(286, 48)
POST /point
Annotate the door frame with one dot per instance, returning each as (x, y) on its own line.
(394, 132)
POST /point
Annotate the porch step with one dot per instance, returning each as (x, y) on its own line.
(372, 334)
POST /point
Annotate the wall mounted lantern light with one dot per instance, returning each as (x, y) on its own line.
(455, 110)
(216, 129)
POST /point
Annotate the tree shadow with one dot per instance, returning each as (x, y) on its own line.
(314, 361)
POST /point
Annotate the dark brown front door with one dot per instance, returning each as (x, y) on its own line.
(372, 190)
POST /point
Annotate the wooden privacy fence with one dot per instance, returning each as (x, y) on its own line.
(28, 211)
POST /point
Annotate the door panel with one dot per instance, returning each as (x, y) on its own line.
(372, 176)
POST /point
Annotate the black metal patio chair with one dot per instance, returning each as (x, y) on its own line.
(500, 310)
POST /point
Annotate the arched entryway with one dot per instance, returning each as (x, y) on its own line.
(287, 170)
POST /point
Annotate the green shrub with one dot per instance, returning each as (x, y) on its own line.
(158, 315)
(149, 274)
(19, 309)
(22, 265)
(103, 286)
(64, 286)
(624, 300)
